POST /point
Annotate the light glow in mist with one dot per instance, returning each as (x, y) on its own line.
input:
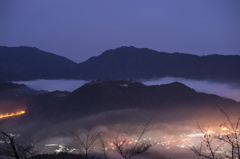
(10, 115)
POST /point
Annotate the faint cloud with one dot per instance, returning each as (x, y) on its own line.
(228, 90)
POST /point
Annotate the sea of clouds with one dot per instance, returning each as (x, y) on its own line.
(228, 90)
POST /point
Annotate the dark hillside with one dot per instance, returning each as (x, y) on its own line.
(13, 91)
(9, 85)
(26, 63)
(19, 97)
(6, 74)
(110, 95)
(131, 62)
(32, 63)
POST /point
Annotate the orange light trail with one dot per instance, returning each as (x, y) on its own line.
(13, 114)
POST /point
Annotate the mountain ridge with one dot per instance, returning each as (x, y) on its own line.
(147, 64)
(121, 63)
(112, 95)
(27, 63)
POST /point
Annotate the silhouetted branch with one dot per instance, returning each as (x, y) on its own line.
(86, 143)
(127, 151)
(231, 137)
(103, 145)
(11, 149)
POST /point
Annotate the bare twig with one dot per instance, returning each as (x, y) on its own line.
(126, 151)
(11, 148)
(86, 143)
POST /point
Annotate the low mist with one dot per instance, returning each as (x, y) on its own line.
(227, 90)
(127, 124)
(166, 125)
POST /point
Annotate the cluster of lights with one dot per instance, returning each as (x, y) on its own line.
(183, 142)
(171, 143)
(61, 148)
(12, 114)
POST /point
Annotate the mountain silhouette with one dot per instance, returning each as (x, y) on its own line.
(134, 63)
(112, 95)
(26, 63)
(12, 91)
(10, 86)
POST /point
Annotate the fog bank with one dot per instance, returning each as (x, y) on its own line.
(165, 131)
(228, 90)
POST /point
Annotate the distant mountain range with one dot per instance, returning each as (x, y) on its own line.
(26, 63)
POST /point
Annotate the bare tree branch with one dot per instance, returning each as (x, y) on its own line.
(103, 145)
(86, 143)
(127, 151)
(230, 138)
(12, 149)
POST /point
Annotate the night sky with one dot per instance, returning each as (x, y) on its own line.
(81, 29)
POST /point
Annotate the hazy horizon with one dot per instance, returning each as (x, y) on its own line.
(79, 30)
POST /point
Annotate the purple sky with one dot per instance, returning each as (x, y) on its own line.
(81, 29)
